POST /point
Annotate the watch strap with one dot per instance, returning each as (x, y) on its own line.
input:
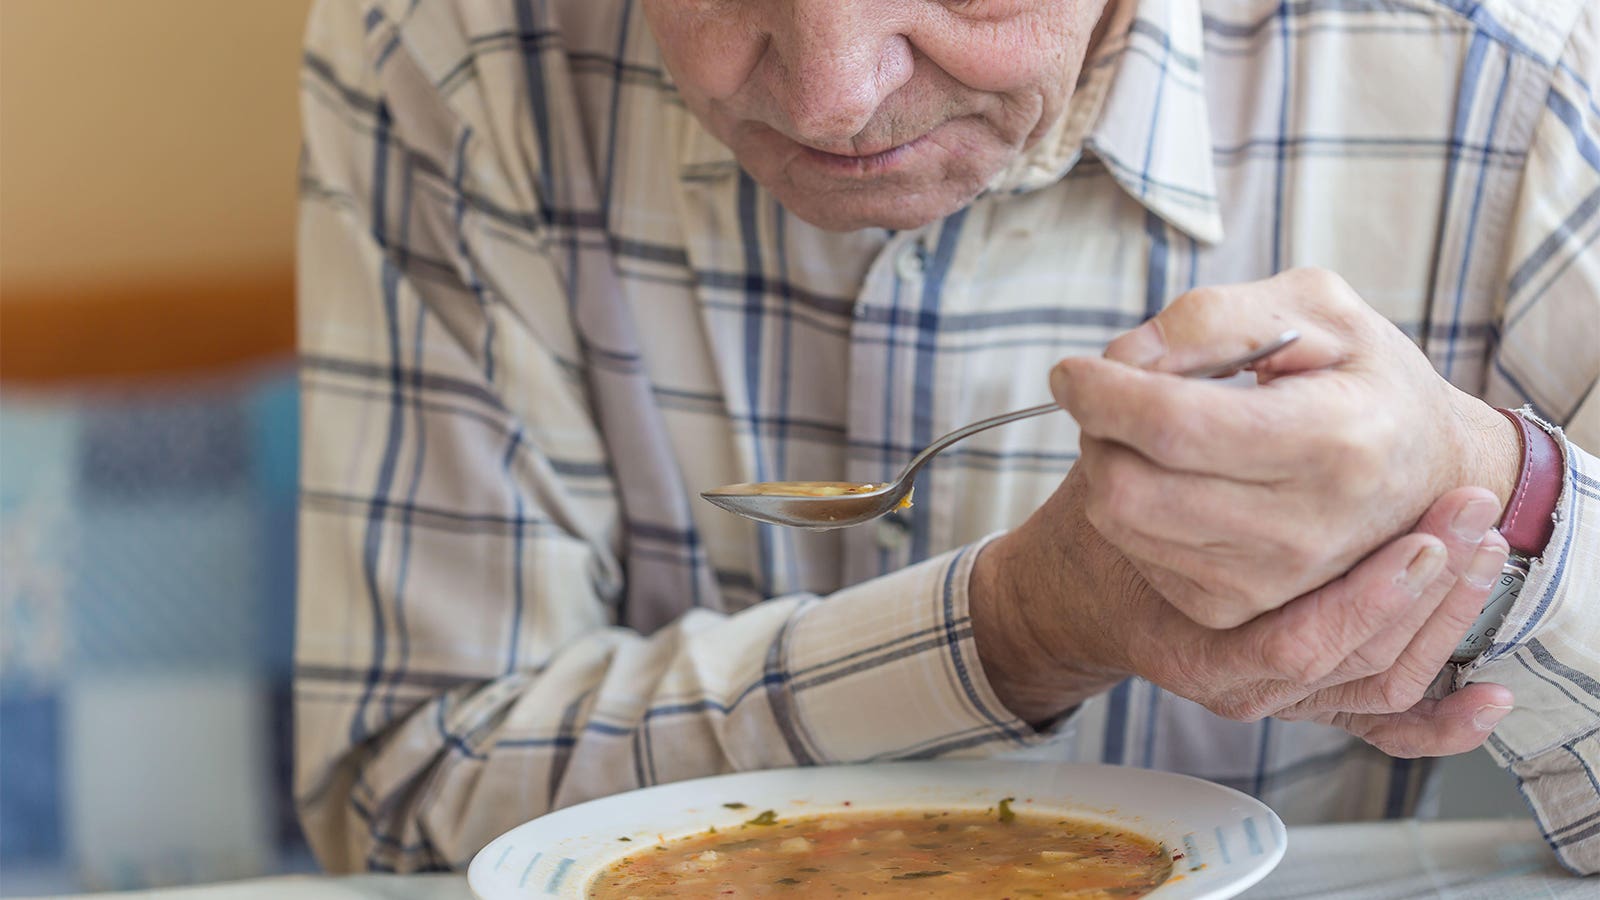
(1529, 516)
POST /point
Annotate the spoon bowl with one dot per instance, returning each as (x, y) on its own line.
(815, 513)
(823, 505)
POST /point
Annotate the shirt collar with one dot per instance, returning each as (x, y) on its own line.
(1140, 106)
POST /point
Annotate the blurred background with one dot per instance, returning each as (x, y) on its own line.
(147, 440)
(147, 446)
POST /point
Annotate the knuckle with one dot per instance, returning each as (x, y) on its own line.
(1406, 682)
(1367, 661)
(1321, 282)
(1201, 303)
(1399, 694)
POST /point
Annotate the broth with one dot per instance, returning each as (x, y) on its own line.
(801, 488)
(942, 854)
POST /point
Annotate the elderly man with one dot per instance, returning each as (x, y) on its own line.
(566, 264)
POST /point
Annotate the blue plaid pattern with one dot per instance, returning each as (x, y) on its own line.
(145, 634)
(542, 308)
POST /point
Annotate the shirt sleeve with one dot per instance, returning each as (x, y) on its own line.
(459, 665)
(1548, 649)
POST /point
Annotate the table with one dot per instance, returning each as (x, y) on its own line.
(1490, 859)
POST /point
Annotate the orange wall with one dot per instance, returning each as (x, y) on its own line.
(147, 149)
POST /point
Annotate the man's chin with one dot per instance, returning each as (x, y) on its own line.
(886, 207)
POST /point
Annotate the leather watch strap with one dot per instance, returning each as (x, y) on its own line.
(1529, 516)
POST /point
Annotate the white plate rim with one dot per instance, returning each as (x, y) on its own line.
(545, 858)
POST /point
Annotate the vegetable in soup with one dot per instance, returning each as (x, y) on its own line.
(942, 854)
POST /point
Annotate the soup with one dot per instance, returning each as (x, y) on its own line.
(801, 488)
(942, 854)
(809, 489)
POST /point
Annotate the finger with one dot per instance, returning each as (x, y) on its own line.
(1184, 424)
(1365, 682)
(1128, 494)
(1302, 642)
(1402, 683)
(1461, 520)
(1455, 724)
(1207, 325)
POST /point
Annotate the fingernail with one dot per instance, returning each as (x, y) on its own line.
(1487, 717)
(1486, 565)
(1142, 346)
(1474, 519)
(1424, 567)
(1058, 383)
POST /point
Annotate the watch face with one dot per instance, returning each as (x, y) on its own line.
(1501, 598)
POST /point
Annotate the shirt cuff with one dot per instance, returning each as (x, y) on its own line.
(889, 669)
(1542, 650)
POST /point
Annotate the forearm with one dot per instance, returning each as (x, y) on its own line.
(884, 669)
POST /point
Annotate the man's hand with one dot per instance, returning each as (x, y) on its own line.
(1059, 615)
(1229, 500)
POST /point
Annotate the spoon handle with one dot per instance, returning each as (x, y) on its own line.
(929, 451)
(1211, 371)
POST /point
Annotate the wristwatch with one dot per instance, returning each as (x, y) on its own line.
(1526, 524)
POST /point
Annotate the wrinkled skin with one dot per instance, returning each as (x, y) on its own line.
(886, 113)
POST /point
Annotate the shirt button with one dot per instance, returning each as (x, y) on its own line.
(893, 533)
(909, 265)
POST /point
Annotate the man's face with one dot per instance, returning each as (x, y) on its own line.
(888, 113)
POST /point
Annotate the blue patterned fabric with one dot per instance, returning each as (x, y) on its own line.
(146, 625)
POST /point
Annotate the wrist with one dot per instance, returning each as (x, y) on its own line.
(1036, 601)
(1491, 450)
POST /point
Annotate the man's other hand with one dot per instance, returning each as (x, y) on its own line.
(1059, 615)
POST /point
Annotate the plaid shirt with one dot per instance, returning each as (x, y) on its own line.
(542, 309)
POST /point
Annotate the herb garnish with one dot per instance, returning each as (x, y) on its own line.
(1006, 815)
(767, 817)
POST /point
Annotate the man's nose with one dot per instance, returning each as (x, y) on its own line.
(837, 61)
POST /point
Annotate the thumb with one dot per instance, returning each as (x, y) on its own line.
(1458, 723)
(1210, 325)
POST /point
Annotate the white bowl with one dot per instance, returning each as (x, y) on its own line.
(1227, 840)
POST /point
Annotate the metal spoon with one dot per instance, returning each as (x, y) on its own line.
(821, 505)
